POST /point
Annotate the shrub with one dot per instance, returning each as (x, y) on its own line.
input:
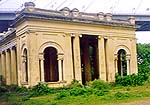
(16, 88)
(99, 92)
(99, 84)
(78, 91)
(25, 98)
(130, 80)
(13, 88)
(3, 89)
(120, 95)
(61, 95)
(40, 89)
(74, 84)
(22, 90)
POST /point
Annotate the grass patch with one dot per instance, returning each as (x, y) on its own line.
(93, 93)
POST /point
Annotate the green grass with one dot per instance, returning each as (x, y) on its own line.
(115, 96)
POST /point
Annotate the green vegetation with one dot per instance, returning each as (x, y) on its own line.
(143, 51)
(95, 92)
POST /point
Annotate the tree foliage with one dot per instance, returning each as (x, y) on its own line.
(143, 51)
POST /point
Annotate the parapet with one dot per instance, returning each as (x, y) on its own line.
(65, 14)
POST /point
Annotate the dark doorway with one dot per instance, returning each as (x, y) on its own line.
(122, 63)
(89, 58)
(50, 65)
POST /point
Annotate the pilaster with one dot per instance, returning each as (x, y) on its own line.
(77, 58)
(13, 66)
(60, 58)
(8, 71)
(3, 63)
(41, 58)
(102, 59)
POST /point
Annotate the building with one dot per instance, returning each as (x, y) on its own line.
(56, 47)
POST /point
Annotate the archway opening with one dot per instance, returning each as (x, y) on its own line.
(122, 63)
(50, 65)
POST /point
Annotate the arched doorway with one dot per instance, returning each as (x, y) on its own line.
(50, 65)
(122, 62)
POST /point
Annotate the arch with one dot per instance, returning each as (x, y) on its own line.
(51, 44)
(122, 60)
(122, 47)
(23, 48)
(122, 63)
(60, 56)
(51, 73)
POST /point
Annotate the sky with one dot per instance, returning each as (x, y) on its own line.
(92, 6)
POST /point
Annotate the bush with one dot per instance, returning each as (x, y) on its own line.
(13, 88)
(73, 84)
(3, 89)
(99, 92)
(16, 88)
(120, 95)
(25, 98)
(22, 90)
(40, 89)
(99, 84)
(77, 91)
(61, 95)
(130, 80)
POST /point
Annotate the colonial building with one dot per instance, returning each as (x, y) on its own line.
(56, 47)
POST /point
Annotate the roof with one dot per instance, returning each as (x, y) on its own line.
(74, 15)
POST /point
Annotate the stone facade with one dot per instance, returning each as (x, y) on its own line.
(58, 46)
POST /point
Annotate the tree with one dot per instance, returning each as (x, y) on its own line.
(143, 51)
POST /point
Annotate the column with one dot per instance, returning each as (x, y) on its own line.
(116, 63)
(41, 58)
(0, 66)
(13, 66)
(60, 69)
(3, 63)
(128, 64)
(102, 59)
(77, 58)
(121, 68)
(24, 74)
(0, 69)
(8, 64)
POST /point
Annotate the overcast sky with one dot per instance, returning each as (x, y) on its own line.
(94, 6)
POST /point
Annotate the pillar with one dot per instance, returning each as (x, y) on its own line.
(77, 58)
(116, 63)
(0, 70)
(102, 59)
(60, 68)
(41, 58)
(24, 71)
(128, 64)
(3, 63)
(121, 65)
(8, 65)
(13, 66)
(0, 66)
